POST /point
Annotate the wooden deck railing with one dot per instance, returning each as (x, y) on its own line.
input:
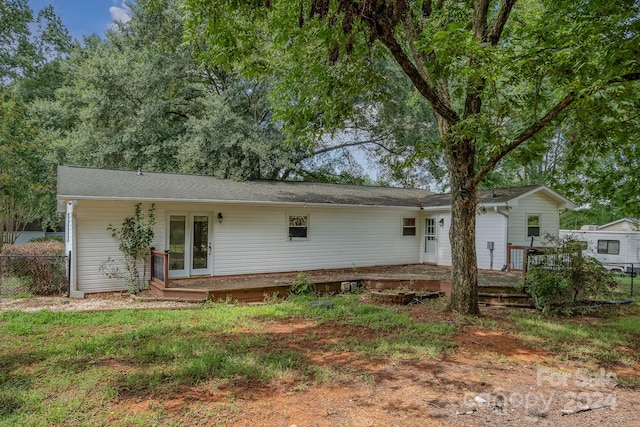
(518, 257)
(160, 268)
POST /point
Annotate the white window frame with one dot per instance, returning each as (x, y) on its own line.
(406, 227)
(539, 226)
(288, 226)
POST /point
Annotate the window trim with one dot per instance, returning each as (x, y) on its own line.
(608, 241)
(407, 228)
(289, 216)
(530, 227)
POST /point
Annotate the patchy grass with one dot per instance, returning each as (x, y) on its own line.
(625, 288)
(70, 368)
(73, 368)
(610, 339)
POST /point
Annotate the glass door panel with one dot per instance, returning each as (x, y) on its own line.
(177, 243)
(200, 246)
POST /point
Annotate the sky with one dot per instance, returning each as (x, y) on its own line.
(85, 17)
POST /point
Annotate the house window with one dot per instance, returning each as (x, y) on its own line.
(408, 226)
(298, 226)
(611, 247)
(533, 225)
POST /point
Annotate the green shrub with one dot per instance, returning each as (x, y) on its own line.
(40, 266)
(134, 241)
(302, 285)
(47, 239)
(563, 279)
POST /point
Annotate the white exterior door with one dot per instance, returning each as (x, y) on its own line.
(189, 243)
(430, 241)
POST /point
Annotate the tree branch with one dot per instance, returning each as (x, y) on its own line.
(480, 12)
(525, 135)
(495, 31)
(350, 144)
(408, 67)
(177, 113)
(543, 122)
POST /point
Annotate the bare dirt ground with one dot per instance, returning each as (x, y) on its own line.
(491, 378)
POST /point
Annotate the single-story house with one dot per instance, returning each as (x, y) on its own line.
(216, 227)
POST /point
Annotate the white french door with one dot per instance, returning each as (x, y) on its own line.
(189, 242)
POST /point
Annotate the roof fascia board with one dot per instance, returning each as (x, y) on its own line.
(565, 203)
(63, 197)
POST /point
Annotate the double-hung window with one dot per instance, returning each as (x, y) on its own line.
(533, 225)
(298, 227)
(408, 226)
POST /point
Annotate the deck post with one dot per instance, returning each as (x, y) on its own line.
(160, 268)
(509, 256)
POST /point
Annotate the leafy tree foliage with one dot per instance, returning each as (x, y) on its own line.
(500, 76)
(31, 46)
(26, 193)
(24, 52)
(140, 99)
(596, 214)
(562, 279)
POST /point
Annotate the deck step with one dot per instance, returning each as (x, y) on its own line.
(501, 295)
(505, 299)
(179, 294)
(498, 289)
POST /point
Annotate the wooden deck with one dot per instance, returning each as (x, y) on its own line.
(255, 287)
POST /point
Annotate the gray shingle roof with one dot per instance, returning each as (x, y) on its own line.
(92, 183)
(80, 182)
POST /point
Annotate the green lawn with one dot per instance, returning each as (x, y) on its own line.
(70, 368)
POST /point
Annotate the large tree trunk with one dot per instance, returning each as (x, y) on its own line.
(462, 234)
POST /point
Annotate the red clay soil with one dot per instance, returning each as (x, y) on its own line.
(491, 378)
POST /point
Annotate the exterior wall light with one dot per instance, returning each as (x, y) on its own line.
(220, 217)
(441, 222)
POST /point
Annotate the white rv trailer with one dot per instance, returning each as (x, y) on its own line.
(616, 250)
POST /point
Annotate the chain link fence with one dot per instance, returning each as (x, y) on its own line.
(34, 274)
(626, 273)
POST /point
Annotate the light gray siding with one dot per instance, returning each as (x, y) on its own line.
(537, 203)
(94, 244)
(253, 239)
(491, 227)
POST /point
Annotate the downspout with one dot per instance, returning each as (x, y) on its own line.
(506, 230)
(73, 270)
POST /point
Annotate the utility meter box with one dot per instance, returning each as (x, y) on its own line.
(490, 246)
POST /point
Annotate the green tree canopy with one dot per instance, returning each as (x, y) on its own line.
(26, 193)
(140, 99)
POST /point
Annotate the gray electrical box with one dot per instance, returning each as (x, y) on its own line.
(490, 246)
